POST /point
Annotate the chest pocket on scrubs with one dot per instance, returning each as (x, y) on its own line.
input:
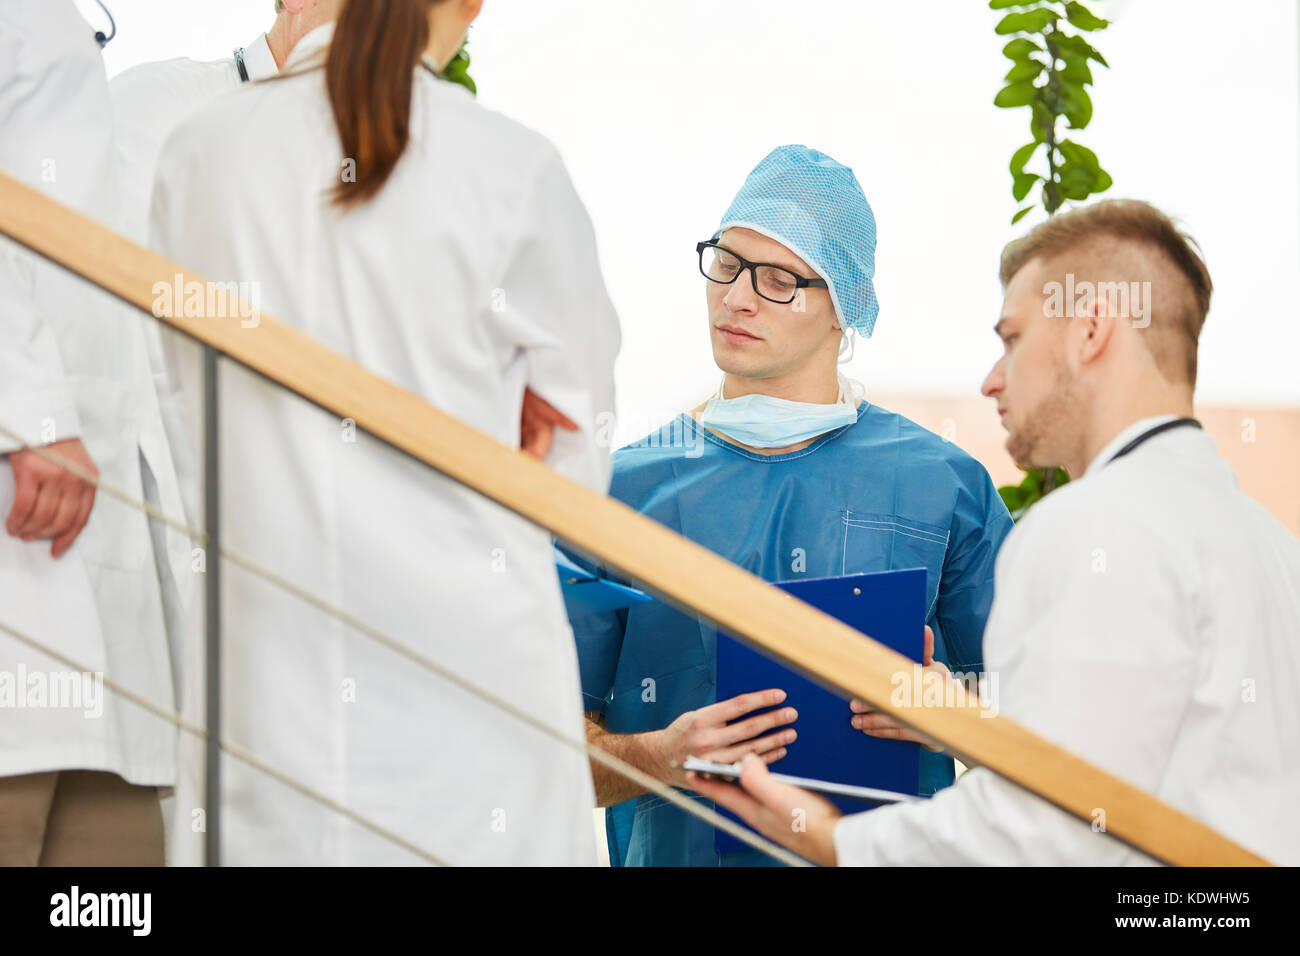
(876, 542)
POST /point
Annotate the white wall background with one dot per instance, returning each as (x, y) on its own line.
(1199, 113)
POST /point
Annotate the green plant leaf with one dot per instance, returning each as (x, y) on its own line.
(1021, 156)
(1022, 183)
(1078, 47)
(1030, 21)
(1016, 94)
(1078, 107)
(1083, 18)
(1024, 70)
(1012, 496)
(1020, 48)
(1079, 155)
(1051, 197)
(1076, 71)
(1003, 4)
(457, 71)
(1015, 219)
(1041, 121)
(1076, 182)
(1086, 174)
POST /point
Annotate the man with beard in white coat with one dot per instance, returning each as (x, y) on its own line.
(149, 102)
(1146, 613)
(79, 779)
(386, 214)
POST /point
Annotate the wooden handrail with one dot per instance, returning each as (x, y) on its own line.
(670, 566)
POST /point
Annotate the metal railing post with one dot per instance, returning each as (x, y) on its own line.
(212, 525)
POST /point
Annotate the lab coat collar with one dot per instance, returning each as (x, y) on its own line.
(259, 61)
(310, 45)
(1123, 438)
(318, 40)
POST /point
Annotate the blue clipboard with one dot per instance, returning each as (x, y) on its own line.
(888, 605)
(584, 593)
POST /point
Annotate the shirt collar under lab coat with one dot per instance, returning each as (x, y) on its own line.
(318, 40)
(310, 45)
(1123, 438)
(259, 61)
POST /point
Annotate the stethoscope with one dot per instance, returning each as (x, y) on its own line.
(1152, 433)
(102, 38)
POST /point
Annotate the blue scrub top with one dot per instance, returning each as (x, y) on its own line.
(880, 494)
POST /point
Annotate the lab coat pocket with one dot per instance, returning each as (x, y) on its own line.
(878, 542)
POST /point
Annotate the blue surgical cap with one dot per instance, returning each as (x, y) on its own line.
(814, 206)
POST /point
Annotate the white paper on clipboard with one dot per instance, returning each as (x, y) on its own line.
(731, 771)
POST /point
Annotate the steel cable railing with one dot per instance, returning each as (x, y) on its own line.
(225, 552)
(642, 551)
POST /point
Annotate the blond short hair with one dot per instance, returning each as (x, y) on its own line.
(1117, 238)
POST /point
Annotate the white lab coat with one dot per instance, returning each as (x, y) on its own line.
(76, 366)
(1146, 619)
(151, 99)
(473, 274)
(149, 102)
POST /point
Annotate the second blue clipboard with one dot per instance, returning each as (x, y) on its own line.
(889, 606)
(584, 593)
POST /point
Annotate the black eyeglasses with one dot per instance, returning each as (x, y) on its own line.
(774, 283)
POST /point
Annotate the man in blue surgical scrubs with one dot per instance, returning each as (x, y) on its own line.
(790, 474)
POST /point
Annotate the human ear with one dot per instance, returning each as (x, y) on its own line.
(1096, 330)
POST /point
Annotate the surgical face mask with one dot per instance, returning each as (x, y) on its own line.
(762, 421)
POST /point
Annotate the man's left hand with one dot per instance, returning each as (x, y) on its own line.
(875, 724)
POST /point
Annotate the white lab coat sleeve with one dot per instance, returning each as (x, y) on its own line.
(1087, 646)
(34, 390)
(139, 132)
(160, 231)
(35, 397)
(553, 305)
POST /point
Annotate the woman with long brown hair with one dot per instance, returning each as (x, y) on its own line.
(441, 245)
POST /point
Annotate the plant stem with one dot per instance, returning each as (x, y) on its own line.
(1051, 192)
